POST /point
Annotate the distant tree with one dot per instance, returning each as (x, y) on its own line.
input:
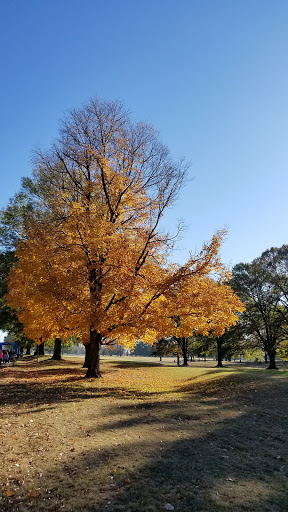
(22, 208)
(118, 349)
(183, 344)
(283, 350)
(230, 343)
(165, 347)
(14, 220)
(142, 349)
(201, 346)
(183, 347)
(7, 259)
(262, 286)
(275, 263)
(8, 317)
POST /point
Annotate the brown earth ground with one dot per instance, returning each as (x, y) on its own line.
(143, 437)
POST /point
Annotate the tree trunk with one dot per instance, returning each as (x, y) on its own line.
(40, 349)
(184, 351)
(87, 355)
(272, 359)
(93, 361)
(178, 359)
(219, 354)
(57, 349)
(28, 349)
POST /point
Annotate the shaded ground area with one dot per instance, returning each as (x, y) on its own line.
(199, 438)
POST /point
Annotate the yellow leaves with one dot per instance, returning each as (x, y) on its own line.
(103, 266)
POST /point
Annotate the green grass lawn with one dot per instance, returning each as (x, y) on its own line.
(144, 436)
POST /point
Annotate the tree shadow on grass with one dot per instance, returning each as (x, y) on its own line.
(227, 463)
(42, 385)
(221, 446)
(239, 386)
(35, 394)
(39, 386)
(133, 364)
(200, 402)
(46, 373)
(62, 362)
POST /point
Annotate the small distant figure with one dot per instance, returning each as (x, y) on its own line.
(6, 357)
(1, 356)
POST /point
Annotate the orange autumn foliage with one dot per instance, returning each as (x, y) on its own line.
(50, 288)
(94, 263)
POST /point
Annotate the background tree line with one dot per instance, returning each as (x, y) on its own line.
(263, 287)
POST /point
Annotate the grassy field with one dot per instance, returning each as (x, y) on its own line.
(143, 437)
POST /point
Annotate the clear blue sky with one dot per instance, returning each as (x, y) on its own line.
(210, 75)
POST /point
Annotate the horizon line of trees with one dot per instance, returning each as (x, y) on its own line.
(262, 285)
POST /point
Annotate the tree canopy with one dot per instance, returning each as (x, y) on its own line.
(263, 286)
(93, 263)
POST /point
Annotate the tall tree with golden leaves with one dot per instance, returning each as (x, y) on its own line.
(95, 264)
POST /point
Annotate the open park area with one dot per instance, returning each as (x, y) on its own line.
(147, 436)
(144, 251)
